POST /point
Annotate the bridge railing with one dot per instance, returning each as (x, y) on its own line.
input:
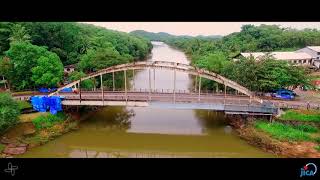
(182, 91)
(251, 108)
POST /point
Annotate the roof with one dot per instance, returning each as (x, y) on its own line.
(315, 48)
(70, 66)
(256, 55)
(279, 55)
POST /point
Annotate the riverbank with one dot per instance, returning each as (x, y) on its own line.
(285, 138)
(26, 135)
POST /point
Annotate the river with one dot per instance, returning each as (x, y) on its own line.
(152, 132)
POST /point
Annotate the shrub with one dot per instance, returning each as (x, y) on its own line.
(317, 148)
(24, 105)
(46, 121)
(9, 112)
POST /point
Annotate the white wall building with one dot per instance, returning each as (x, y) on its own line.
(314, 51)
(297, 58)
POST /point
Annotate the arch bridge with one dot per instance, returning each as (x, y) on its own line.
(247, 103)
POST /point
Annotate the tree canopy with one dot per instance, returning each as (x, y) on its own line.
(32, 54)
(27, 61)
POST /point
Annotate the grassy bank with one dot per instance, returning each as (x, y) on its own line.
(287, 132)
(301, 115)
(41, 128)
(296, 136)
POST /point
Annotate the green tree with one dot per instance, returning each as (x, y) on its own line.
(24, 56)
(6, 69)
(9, 112)
(213, 62)
(4, 36)
(101, 58)
(19, 34)
(48, 71)
(76, 75)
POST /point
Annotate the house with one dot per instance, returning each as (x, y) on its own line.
(314, 51)
(69, 68)
(297, 58)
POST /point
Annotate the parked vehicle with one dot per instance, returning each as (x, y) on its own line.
(283, 94)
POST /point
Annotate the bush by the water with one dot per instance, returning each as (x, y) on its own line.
(24, 105)
(46, 121)
(301, 116)
(283, 132)
(9, 112)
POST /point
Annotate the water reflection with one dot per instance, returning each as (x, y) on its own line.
(118, 118)
(211, 121)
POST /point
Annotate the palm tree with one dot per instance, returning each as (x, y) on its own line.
(19, 34)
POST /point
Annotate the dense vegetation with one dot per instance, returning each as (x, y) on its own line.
(33, 53)
(9, 112)
(216, 54)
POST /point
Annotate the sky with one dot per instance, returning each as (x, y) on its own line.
(195, 28)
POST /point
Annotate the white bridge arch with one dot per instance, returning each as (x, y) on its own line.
(166, 65)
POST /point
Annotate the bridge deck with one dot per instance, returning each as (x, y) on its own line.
(230, 103)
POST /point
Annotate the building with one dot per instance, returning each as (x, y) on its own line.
(314, 51)
(69, 68)
(297, 58)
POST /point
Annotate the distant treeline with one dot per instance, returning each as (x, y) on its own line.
(33, 53)
(215, 54)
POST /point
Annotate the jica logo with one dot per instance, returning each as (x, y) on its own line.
(309, 169)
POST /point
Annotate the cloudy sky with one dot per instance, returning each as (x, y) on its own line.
(195, 28)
